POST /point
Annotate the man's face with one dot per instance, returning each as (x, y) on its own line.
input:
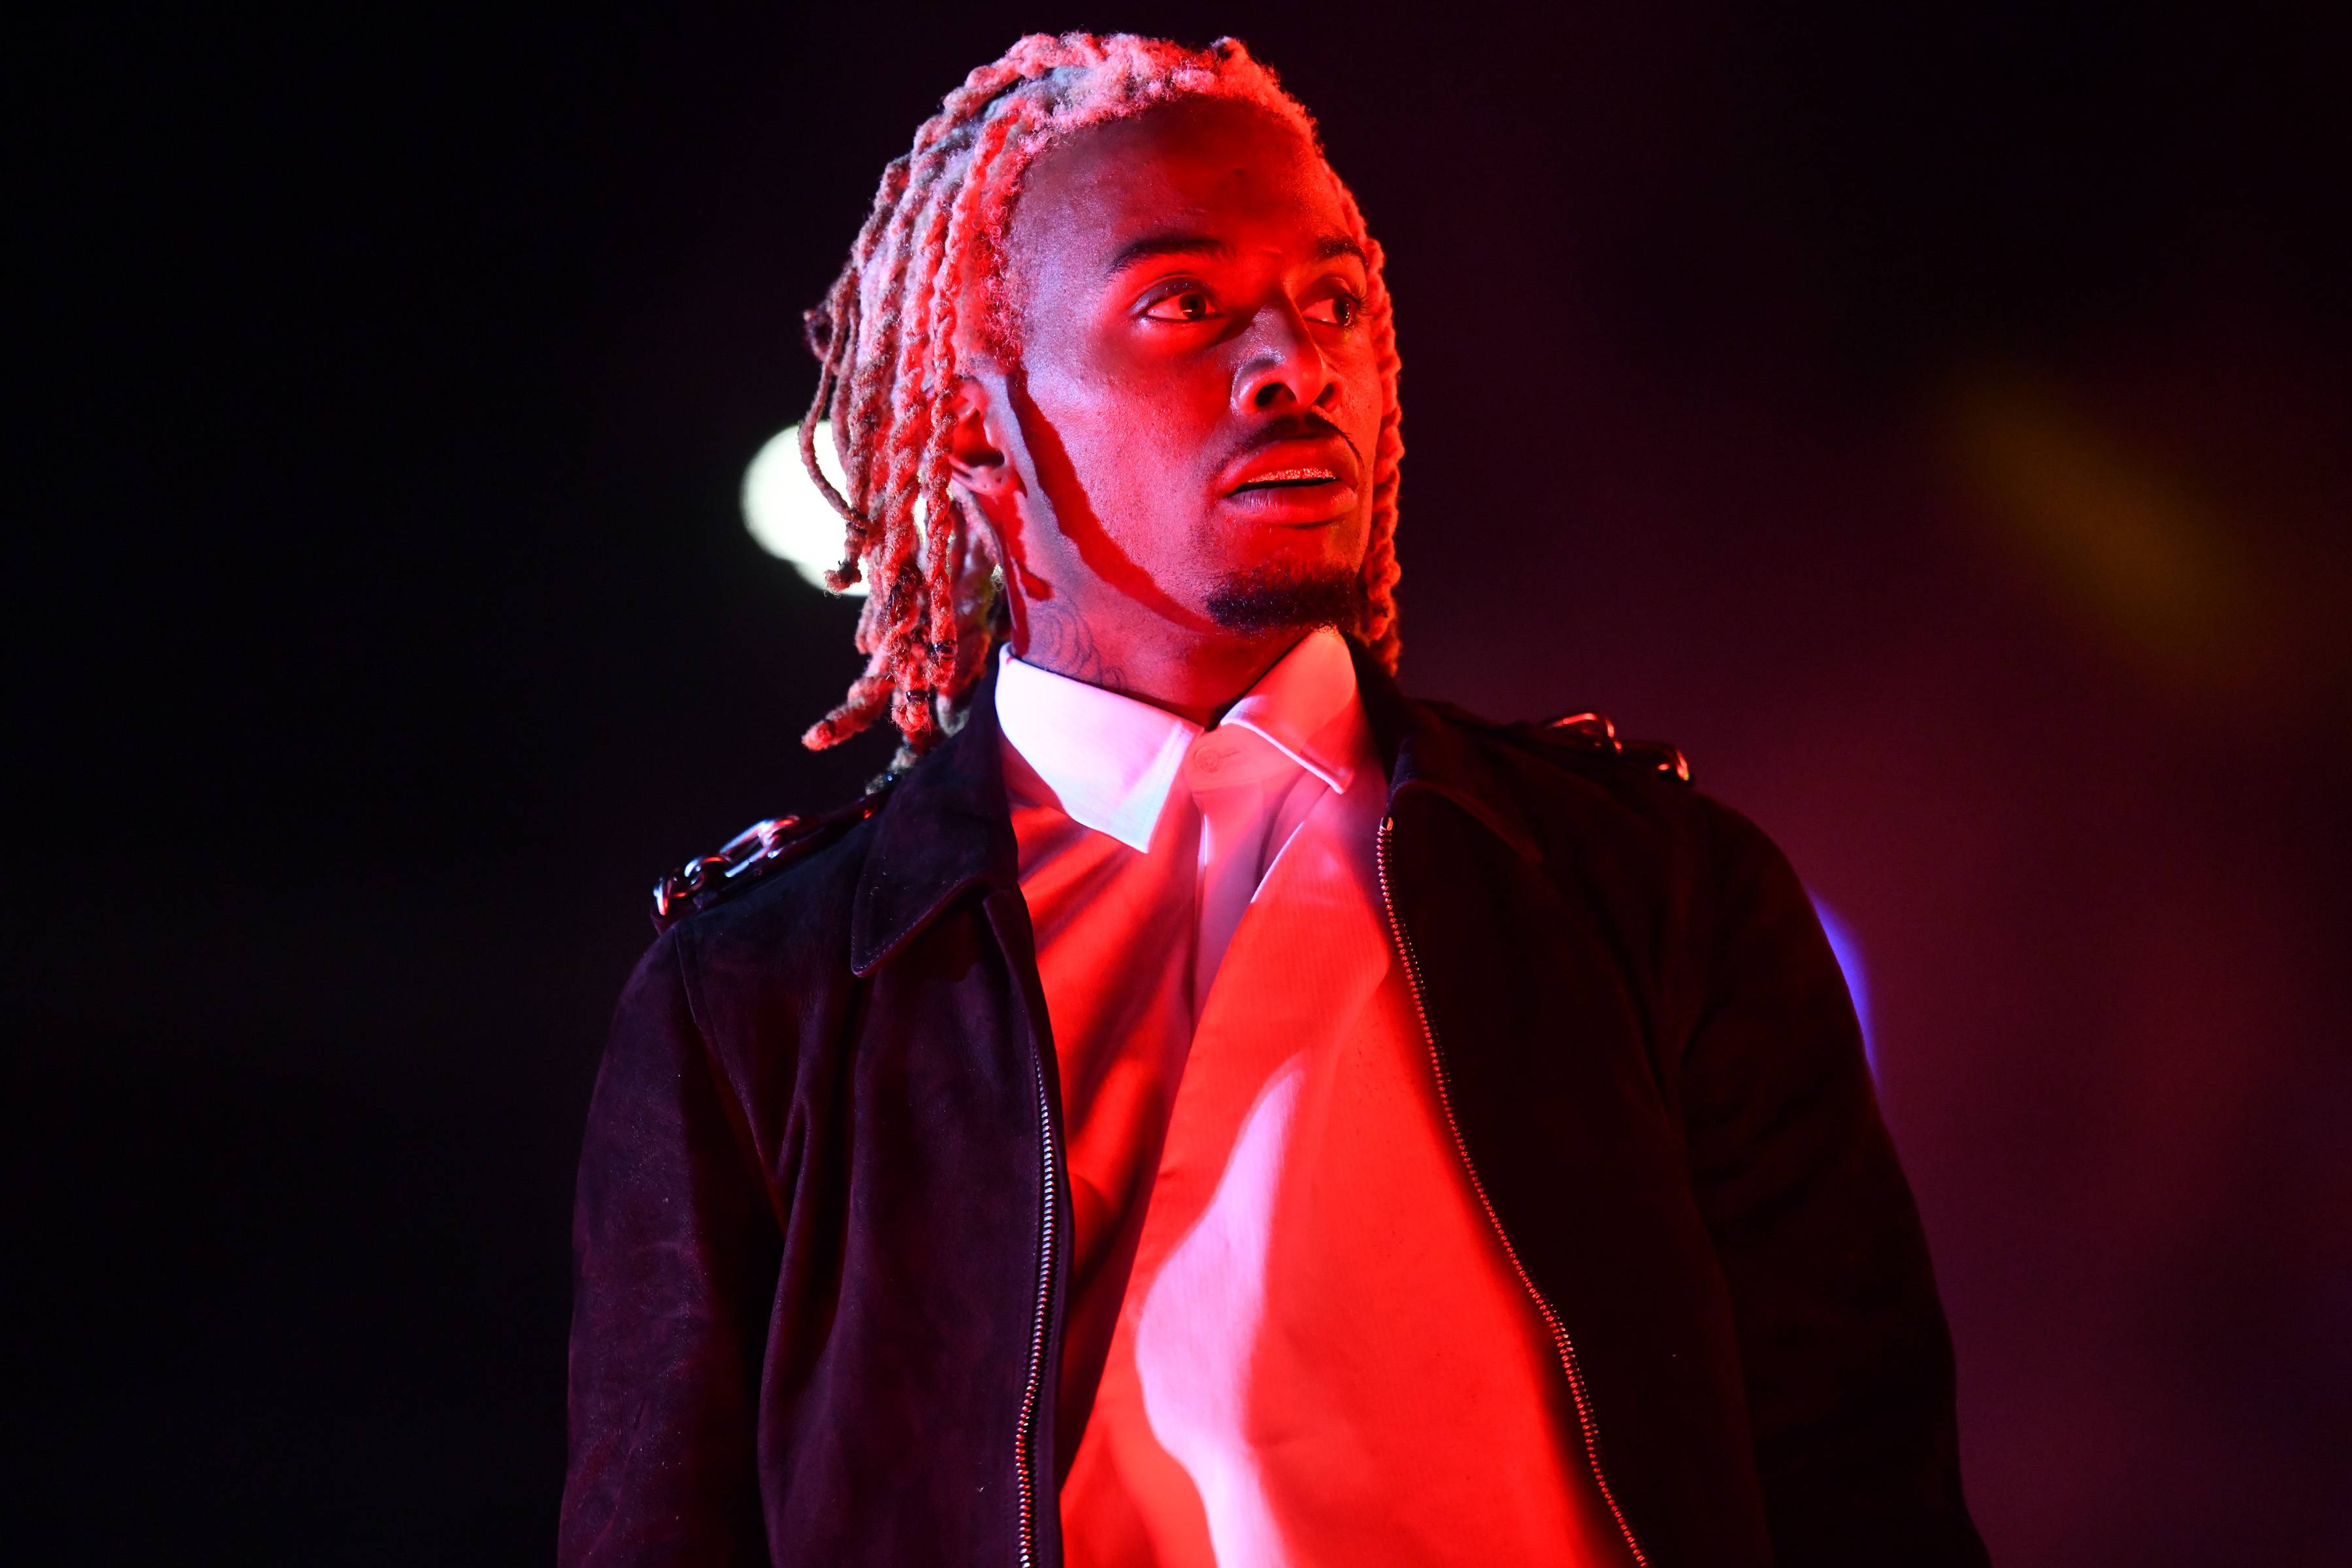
(1196, 390)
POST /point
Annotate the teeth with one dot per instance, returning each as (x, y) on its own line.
(1291, 477)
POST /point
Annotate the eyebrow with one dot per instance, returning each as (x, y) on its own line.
(1153, 247)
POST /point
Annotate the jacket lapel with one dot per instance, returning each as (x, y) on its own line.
(1422, 753)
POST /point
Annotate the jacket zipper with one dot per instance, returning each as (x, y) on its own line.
(1560, 1337)
(1023, 1458)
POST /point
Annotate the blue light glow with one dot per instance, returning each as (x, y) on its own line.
(1849, 957)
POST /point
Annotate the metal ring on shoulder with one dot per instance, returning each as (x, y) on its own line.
(1597, 730)
(708, 878)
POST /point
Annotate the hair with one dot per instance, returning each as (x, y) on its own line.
(892, 332)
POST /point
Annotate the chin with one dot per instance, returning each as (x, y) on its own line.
(1286, 598)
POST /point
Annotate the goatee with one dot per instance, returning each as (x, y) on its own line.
(1273, 599)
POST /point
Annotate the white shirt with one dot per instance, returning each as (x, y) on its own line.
(1292, 1336)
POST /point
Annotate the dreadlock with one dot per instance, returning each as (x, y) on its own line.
(886, 342)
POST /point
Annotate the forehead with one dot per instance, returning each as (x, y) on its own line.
(1229, 170)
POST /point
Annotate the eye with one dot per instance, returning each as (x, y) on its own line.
(1339, 309)
(1184, 303)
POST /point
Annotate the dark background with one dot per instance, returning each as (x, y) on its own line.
(1934, 417)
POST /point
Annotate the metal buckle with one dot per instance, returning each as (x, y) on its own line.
(739, 853)
(1592, 727)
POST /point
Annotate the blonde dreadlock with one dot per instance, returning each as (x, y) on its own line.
(887, 340)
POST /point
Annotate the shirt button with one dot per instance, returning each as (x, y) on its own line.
(1212, 761)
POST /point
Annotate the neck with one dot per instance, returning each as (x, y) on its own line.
(1194, 678)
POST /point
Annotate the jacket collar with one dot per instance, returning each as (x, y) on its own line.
(1423, 750)
(946, 826)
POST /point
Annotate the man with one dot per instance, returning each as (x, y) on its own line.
(1208, 1107)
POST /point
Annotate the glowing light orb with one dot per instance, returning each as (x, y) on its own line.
(785, 511)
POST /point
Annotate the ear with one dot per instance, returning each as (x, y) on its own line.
(977, 454)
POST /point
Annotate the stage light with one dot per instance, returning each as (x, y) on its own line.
(786, 512)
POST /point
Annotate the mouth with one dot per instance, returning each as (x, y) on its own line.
(1299, 482)
(1292, 499)
(1292, 478)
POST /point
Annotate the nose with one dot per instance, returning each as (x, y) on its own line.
(1281, 366)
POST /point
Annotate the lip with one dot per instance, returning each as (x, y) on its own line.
(1306, 481)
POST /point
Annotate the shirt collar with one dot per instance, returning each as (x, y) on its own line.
(1111, 761)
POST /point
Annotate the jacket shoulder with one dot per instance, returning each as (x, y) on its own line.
(706, 881)
(1585, 741)
(1645, 782)
(1583, 789)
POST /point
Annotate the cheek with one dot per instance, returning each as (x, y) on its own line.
(1363, 400)
(1136, 444)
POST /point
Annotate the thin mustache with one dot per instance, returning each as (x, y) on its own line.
(1302, 426)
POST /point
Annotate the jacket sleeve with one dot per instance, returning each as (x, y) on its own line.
(1843, 1341)
(675, 1249)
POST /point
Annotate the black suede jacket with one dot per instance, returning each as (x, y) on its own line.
(823, 1231)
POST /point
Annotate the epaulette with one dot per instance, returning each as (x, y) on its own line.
(709, 880)
(1593, 731)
